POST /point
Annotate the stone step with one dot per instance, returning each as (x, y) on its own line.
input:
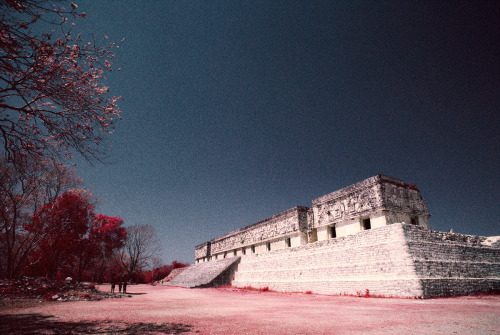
(208, 274)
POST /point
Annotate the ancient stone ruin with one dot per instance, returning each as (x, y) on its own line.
(372, 237)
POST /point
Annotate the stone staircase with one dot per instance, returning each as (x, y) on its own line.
(208, 274)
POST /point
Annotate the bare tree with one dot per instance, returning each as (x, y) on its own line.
(24, 187)
(139, 249)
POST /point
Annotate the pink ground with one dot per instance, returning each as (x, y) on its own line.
(171, 310)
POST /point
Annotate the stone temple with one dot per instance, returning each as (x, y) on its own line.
(373, 236)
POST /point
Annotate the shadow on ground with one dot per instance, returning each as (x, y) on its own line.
(43, 324)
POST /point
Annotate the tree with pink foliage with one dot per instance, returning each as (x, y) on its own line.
(64, 224)
(105, 237)
(52, 100)
(73, 238)
(109, 232)
(25, 187)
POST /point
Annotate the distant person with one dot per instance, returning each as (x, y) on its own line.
(125, 287)
(120, 287)
(113, 287)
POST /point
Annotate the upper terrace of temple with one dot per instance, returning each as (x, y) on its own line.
(374, 202)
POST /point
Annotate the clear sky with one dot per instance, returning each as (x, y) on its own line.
(236, 111)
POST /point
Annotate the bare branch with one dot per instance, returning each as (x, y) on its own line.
(53, 100)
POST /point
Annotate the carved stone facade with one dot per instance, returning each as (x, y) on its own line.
(253, 237)
(378, 193)
(371, 203)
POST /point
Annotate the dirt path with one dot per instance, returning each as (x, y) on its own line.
(170, 310)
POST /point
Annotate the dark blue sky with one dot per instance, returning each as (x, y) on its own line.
(233, 112)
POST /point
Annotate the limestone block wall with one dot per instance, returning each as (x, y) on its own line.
(348, 227)
(396, 217)
(285, 223)
(402, 198)
(453, 264)
(202, 251)
(399, 260)
(353, 225)
(377, 260)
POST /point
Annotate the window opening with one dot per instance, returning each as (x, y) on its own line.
(313, 235)
(253, 249)
(414, 221)
(288, 242)
(333, 231)
(268, 246)
(367, 224)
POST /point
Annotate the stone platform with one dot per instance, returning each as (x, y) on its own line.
(398, 260)
(372, 237)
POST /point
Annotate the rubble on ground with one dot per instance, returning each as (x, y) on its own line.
(51, 290)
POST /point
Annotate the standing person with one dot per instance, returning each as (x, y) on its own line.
(120, 287)
(113, 286)
(125, 287)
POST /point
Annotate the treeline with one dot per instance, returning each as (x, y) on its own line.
(49, 228)
(158, 273)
